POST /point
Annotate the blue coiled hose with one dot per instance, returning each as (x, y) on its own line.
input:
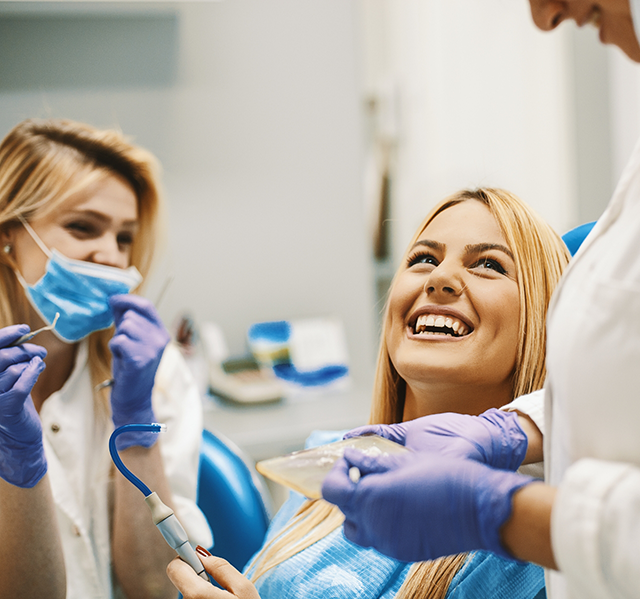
(130, 476)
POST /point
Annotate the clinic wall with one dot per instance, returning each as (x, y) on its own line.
(470, 93)
(254, 111)
(482, 99)
(624, 104)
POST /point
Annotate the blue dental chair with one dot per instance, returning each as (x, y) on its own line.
(573, 239)
(233, 500)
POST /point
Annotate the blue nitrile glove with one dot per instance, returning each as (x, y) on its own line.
(494, 438)
(137, 346)
(421, 506)
(22, 460)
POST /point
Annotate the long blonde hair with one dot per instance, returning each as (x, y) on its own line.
(42, 164)
(540, 257)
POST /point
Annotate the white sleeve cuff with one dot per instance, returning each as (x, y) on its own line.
(532, 405)
(595, 526)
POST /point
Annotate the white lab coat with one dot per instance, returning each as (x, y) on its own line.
(81, 473)
(592, 410)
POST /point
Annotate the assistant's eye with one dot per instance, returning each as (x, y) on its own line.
(489, 264)
(422, 258)
(125, 239)
(81, 229)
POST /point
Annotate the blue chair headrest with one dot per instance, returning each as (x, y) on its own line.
(230, 500)
(573, 239)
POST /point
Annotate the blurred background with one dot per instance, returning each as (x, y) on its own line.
(302, 142)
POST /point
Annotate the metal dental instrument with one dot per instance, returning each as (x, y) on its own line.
(29, 336)
(167, 282)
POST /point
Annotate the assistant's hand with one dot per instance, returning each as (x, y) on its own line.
(421, 506)
(137, 346)
(494, 438)
(22, 461)
(193, 587)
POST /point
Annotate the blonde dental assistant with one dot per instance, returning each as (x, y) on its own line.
(78, 217)
(584, 524)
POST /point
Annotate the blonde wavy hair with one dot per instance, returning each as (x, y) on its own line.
(42, 164)
(540, 257)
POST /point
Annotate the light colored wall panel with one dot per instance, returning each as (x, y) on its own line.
(483, 99)
(254, 109)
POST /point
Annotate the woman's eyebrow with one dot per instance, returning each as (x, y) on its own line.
(435, 245)
(478, 248)
(102, 217)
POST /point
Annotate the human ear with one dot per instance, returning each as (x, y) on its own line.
(6, 240)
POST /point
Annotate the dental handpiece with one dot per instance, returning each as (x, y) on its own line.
(173, 533)
(163, 516)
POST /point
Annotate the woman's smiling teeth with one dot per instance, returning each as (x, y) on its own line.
(435, 324)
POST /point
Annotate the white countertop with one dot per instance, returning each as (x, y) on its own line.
(266, 430)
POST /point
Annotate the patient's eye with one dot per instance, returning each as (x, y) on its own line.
(422, 258)
(489, 264)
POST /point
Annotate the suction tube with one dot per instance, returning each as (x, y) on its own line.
(163, 516)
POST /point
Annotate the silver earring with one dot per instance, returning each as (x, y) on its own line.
(7, 248)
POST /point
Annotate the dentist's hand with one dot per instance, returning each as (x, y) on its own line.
(137, 346)
(421, 506)
(22, 460)
(494, 438)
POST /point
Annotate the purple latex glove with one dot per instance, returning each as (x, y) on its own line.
(421, 506)
(494, 438)
(22, 460)
(137, 346)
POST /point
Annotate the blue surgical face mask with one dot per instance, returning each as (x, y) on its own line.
(78, 290)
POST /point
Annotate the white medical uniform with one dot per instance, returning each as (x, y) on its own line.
(592, 407)
(76, 436)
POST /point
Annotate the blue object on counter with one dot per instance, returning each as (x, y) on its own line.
(312, 378)
(278, 331)
(269, 342)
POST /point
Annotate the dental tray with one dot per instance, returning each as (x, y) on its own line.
(303, 471)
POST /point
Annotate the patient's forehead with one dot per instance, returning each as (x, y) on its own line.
(468, 222)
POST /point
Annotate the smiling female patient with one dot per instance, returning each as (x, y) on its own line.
(464, 331)
(78, 217)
